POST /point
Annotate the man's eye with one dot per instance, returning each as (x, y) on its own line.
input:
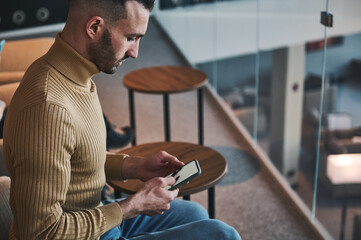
(131, 39)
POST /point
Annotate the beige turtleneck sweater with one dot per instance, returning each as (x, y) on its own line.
(55, 151)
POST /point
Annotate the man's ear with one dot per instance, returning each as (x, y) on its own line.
(95, 26)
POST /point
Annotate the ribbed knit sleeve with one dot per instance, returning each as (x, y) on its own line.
(113, 166)
(43, 140)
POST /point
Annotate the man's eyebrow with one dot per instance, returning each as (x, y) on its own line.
(135, 35)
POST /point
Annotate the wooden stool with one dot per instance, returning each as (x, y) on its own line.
(213, 166)
(165, 80)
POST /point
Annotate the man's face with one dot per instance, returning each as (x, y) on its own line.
(121, 41)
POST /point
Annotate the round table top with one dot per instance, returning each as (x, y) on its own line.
(212, 164)
(164, 79)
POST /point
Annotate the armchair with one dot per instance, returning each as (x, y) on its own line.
(16, 57)
(338, 136)
(347, 141)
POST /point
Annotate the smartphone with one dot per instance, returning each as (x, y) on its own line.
(185, 174)
(2, 43)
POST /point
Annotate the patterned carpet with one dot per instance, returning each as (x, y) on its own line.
(241, 165)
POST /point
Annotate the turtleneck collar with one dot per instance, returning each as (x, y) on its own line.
(70, 63)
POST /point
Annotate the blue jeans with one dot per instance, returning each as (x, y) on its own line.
(184, 220)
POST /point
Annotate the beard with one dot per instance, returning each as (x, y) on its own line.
(103, 54)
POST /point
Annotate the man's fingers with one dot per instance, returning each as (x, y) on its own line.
(175, 192)
(168, 158)
(169, 181)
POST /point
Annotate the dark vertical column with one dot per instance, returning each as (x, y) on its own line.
(132, 114)
(200, 116)
(211, 191)
(117, 194)
(166, 117)
(211, 203)
(343, 218)
(357, 227)
(187, 197)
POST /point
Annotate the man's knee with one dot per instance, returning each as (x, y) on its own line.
(221, 230)
(190, 210)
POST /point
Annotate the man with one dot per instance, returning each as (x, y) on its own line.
(54, 142)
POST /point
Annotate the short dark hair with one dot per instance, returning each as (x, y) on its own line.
(112, 10)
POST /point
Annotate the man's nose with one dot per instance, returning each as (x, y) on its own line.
(133, 50)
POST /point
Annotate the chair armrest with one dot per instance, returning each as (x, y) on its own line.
(3, 170)
(17, 55)
(335, 147)
(11, 77)
(7, 91)
(349, 133)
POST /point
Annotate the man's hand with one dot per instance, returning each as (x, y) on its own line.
(145, 168)
(151, 199)
(159, 165)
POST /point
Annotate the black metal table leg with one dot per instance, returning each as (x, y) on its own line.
(166, 117)
(187, 197)
(117, 194)
(211, 203)
(343, 218)
(200, 116)
(132, 114)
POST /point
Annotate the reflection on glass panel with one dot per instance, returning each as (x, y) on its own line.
(339, 126)
(265, 58)
(290, 97)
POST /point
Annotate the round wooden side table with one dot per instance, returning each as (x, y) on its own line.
(165, 80)
(212, 163)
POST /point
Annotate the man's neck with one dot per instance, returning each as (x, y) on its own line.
(75, 41)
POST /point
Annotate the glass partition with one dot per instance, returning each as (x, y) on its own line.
(294, 83)
(337, 184)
